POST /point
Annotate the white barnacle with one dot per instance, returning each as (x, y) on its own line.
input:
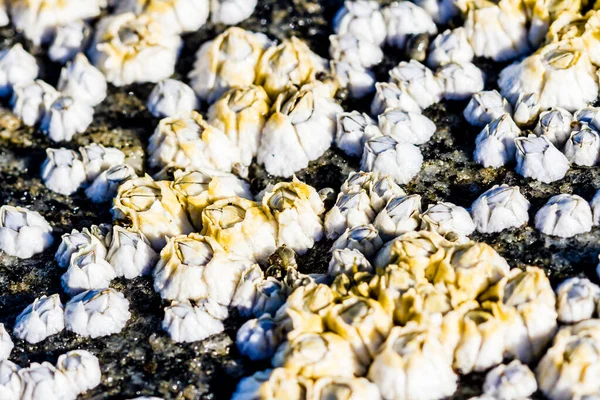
(130, 253)
(82, 81)
(259, 338)
(357, 50)
(97, 159)
(17, 67)
(583, 147)
(63, 171)
(38, 20)
(576, 300)
(241, 113)
(385, 155)
(23, 233)
(42, 318)
(231, 12)
(129, 49)
(81, 368)
(170, 98)
(389, 95)
(353, 130)
(403, 19)
(441, 11)
(66, 117)
(406, 127)
(31, 101)
(379, 187)
(513, 381)
(315, 355)
(412, 363)
(297, 209)
(6, 346)
(300, 129)
(198, 189)
(362, 322)
(358, 80)
(75, 241)
(196, 267)
(460, 80)
(153, 209)
(555, 124)
(544, 73)
(587, 115)
(486, 106)
(105, 186)
(229, 60)
(10, 381)
(364, 238)
(537, 158)
(45, 381)
(177, 16)
(451, 46)
(190, 323)
(447, 219)
(348, 262)
(564, 215)
(418, 81)
(527, 109)
(499, 208)
(87, 270)
(69, 40)
(401, 214)
(292, 63)
(350, 210)
(96, 313)
(496, 30)
(569, 366)
(257, 296)
(361, 19)
(335, 387)
(276, 383)
(4, 19)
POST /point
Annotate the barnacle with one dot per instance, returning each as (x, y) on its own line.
(501, 207)
(288, 64)
(364, 238)
(418, 81)
(6, 346)
(537, 158)
(401, 214)
(338, 387)
(66, 117)
(576, 300)
(130, 253)
(96, 313)
(448, 220)
(10, 381)
(82, 81)
(231, 12)
(42, 318)
(358, 80)
(583, 147)
(441, 11)
(229, 60)
(178, 16)
(543, 74)
(544, 12)
(486, 106)
(196, 267)
(129, 49)
(359, 50)
(75, 241)
(353, 131)
(511, 381)
(241, 113)
(361, 19)
(32, 101)
(87, 270)
(42, 380)
(495, 144)
(527, 109)
(387, 156)
(460, 80)
(297, 209)
(189, 323)
(189, 141)
(69, 40)
(406, 127)
(81, 368)
(389, 95)
(97, 159)
(403, 19)
(258, 338)
(451, 46)
(279, 383)
(171, 98)
(17, 67)
(242, 227)
(300, 129)
(106, 185)
(555, 124)
(349, 262)
(379, 187)
(256, 295)
(564, 215)
(23, 233)
(152, 208)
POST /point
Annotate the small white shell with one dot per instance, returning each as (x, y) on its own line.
(10, 381)
(441, 11)
(354, 49)
(170, 98)
(231, 12)
(401, 214)
(69, 40)
(403, 19)
(446, 218)
(66, 117)
(361, 19)
(513, 381)
(384, 155)
(45, 382)
(6, 346)
(364, 238)
(589, 115)
(418, 81)
(555, 124)
(353, 131)
(43, 318)
(486, 106)
(74, 241)
(501, 207)
(406, 127)
(349, 262)
(527, 109)
(258, 338)
(17, 67)
(97, 313)
(97, 159)
(349, 211)
(87, 270)
(389, 95)
(62, 171)
(460, 81)
(130, 253)
(81, 368)
(187, 323)
(104, 188)
(576, 300)
(564, 215)
(451, 46)
(31, 101)
(82, 81)
(23, 233)
(537, 158)
(583, 147)
(359, 81)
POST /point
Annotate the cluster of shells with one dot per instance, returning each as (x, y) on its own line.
(408, 302)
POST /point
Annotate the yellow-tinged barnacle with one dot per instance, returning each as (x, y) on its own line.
(276, 384)
(153, 209)
(361, 321)
(423, 303)
(242, 227)
(290, 63)
(542, 13)
(178, 16)
(241, 113)
(315, 355)
(345, 388)
(417, 249)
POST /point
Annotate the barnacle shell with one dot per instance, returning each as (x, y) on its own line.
(389, 95)
(17, 67)
(81, 369)
(353, 130)
(451, 46)
(23, 233)
(537, 158)
(66, 117)
(97, 313)
(406, 127)
(355, 49)
(31, 101)
(82, 81)
(68, 41)
(361, 19)
(42, 318)
(272, 384)
(130, 253)
(364, 238)
(176, 16)
(106, 185)
(418, 81)
(338, 387)
(527, 109)
(256, 295)
(385, 155)
(460, 80)
(555, 124)
(583, 147)
(349, 262)
(358, 80)
(87, 270)
(501, 207)
(495, 144)
(576, 300)
(6, 345)
(74, 241)
(512, 381)
(564, 215)
(44, 381)
(401, 214)
(486, 106)
(258, 339)
(170, 98)
(97, 158)
(403, 19)
(10, 381)
(448, 220)
(188, 323)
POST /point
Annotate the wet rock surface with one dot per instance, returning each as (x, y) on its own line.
(142, 360)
